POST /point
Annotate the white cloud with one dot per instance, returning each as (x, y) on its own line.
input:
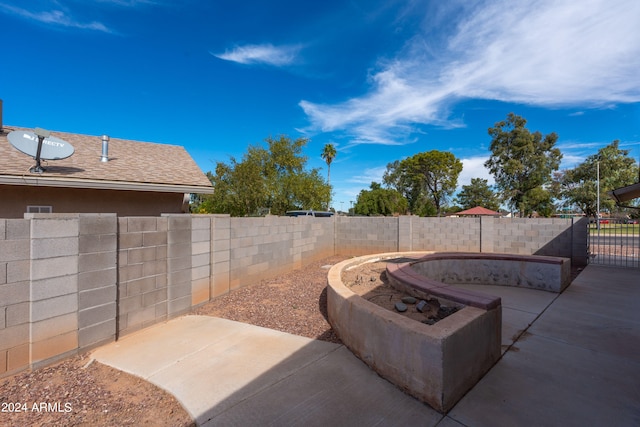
(474, 168)
(261, 54)
(549, 52)
(545, 53)
(55, 17)
(368, 176)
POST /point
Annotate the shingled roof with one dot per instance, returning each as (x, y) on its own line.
(132, 165)
(478, 211)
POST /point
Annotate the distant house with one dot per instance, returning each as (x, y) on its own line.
(478, 211)
(136, 178)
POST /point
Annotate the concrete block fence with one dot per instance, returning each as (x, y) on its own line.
(522, 236)
(71, 282)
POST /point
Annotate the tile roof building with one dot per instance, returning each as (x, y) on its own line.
(139, 178)
(478, 211)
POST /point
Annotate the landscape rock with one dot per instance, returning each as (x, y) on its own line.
(401, 307)
(422, 306)
(409, 300)
(446, 311)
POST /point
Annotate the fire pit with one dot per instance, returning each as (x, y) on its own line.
(436, 363)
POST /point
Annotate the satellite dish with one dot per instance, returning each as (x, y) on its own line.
(40, 145)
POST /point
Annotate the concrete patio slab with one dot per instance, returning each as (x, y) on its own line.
(337, 390)
(514, 323)
(550, 383)
(449, 422)
(576, 365)
(520, 308)
(229, 372)
(523, 299)
(593, 330)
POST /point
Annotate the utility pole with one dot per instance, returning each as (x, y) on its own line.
(598, 194)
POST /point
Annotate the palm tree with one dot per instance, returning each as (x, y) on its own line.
(328, 154)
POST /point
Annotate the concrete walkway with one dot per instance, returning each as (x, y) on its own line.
(577, 364)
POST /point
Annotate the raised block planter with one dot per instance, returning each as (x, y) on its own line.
(437, 364)
(530, 271)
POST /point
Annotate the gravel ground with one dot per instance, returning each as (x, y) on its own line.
(76, 392)
(295, 302)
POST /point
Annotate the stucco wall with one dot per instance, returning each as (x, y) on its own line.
(15, 199)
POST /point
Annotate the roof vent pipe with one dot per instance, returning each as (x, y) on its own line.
(105, 148)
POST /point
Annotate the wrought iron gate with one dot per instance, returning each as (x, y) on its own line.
(615, 242)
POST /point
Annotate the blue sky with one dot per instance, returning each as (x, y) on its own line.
(382, 80)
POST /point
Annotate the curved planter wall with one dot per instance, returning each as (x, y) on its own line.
(437, 364)
(439, 270)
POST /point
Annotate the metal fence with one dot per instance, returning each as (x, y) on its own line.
(615, 242)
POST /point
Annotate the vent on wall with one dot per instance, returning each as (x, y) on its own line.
(39, 209)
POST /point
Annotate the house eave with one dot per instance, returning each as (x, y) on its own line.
(45, 181)
(625, 194)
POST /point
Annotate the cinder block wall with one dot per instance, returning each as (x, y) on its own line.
(445, 234)
(178, 265)
(70, 282)
(220, 255)
(201, 259)
(537, 236)
(54, 287)
(523, 236)
(97, 279)
(15, 275)
(142, 272)
(265, 247)
(57, 287)
(363, 236)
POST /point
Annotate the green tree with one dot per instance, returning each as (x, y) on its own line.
(380, 201)
(426, 179)
(328, 154)
(270, 179)
(478, 193)
(540, 200)
(579, 185)
(521, 162)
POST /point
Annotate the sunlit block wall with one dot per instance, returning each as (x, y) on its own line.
(523, 236)
(71, 282)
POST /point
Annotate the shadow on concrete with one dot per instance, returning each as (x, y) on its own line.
(576, 365)
(329, 335)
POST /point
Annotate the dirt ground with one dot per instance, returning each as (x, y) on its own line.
(75, 392)
(370, 282)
